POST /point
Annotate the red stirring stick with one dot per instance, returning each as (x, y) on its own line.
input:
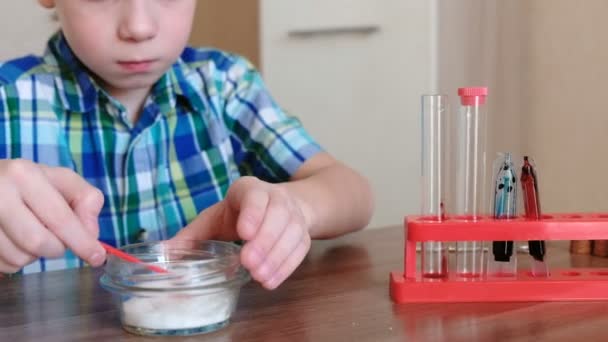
(130, 258)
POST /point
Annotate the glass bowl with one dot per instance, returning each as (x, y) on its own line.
(198, 294)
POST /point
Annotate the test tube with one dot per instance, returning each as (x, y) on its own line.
(502, 262)
(469, 165)
(529, 185)
(435, 109)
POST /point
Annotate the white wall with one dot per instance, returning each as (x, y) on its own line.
(25, 28)
(545, 64)
(565, 67)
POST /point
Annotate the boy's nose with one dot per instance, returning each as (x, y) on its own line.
(138, 21)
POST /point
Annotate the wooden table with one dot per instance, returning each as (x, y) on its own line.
(340, 293)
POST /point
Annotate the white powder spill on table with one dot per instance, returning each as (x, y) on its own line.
(183, 310)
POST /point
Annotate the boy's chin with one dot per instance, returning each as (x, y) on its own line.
(132, 84)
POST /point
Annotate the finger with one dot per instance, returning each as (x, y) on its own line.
(274, 223)
(51, 208)
(24, 229)
(207, 225)
(7, 268)
(286, 244)
(84, 199)
(290, 264)
(11, 255)
(249, 197)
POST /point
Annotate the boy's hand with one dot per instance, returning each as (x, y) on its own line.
(43, 211)
(266, 216)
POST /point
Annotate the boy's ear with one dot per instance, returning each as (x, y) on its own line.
(47, 3)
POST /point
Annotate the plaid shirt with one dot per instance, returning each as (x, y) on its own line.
(206, 122)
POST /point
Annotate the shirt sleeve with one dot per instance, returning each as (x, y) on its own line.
(4, 124)
(268, 143)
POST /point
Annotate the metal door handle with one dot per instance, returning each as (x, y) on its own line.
(334, 31)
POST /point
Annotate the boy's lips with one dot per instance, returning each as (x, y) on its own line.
(137, 66)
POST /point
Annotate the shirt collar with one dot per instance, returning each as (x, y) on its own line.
(80, 92)
(179, 84)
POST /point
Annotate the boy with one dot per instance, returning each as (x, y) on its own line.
(119, 127)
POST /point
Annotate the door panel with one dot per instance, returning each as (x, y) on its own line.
(231, 25)
(353, 72)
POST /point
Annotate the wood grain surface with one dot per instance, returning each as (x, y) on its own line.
(340, 293)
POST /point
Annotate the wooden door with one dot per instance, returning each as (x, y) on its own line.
(231, 25)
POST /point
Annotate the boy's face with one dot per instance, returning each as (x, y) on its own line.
(128, 44)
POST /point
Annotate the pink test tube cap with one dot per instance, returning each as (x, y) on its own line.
(468, 95)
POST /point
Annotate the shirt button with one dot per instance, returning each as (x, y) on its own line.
(142, 235)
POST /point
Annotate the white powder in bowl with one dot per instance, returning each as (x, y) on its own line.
(186, 310)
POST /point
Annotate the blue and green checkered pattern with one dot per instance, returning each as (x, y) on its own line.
(206, 122)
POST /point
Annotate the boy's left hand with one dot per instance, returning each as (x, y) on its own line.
(271, 221)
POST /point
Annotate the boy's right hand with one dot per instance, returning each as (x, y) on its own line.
(45, 210)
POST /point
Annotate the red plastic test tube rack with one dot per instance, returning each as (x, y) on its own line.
(575, 284)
